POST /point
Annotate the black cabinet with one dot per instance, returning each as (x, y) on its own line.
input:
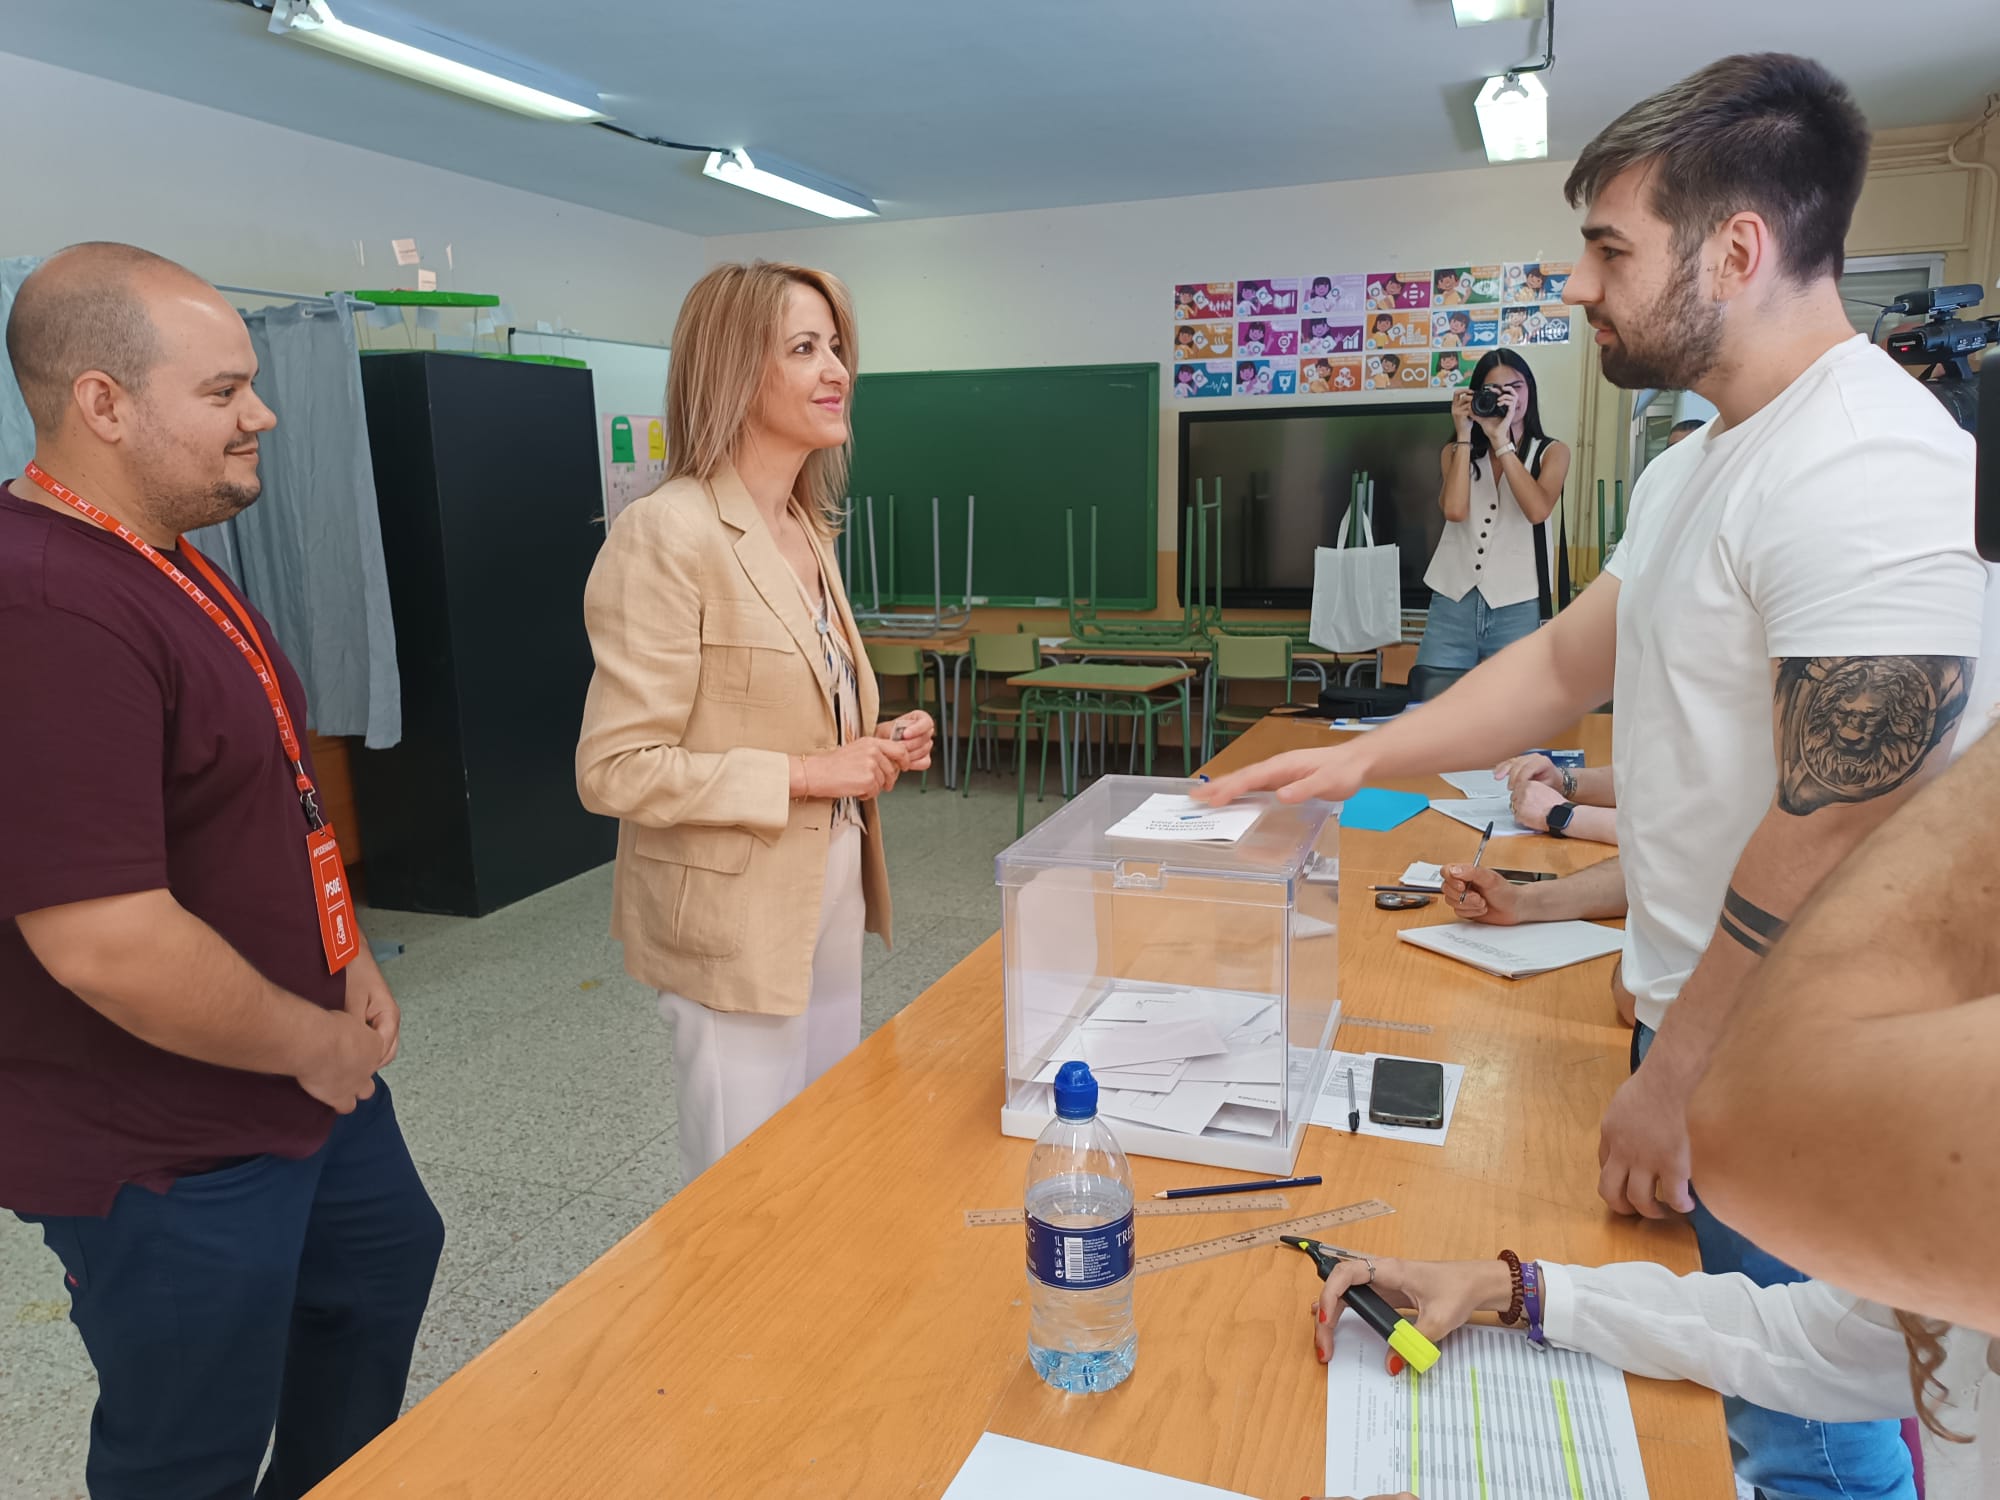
(487, 478)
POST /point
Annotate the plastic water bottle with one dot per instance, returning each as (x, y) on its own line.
(1081, 1336)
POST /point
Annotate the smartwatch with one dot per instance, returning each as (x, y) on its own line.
(1559, 817)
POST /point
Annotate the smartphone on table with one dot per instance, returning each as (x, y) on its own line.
(1405, 1091)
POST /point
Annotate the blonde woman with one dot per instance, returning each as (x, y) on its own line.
(730, 726)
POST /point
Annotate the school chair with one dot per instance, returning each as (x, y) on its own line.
(1241, 658)
(893, 659)
(1000, 656)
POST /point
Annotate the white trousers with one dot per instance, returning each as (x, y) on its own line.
(732, 1071)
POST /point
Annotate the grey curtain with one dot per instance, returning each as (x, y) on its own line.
(309, 553)
(17, 433)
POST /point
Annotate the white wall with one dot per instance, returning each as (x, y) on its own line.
(1095, 285)
(243, 202)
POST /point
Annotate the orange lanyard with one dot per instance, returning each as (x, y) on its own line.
(252, 648)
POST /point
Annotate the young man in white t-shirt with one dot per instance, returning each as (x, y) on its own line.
(1789, 626)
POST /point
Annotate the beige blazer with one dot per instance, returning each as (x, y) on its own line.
(707, 682)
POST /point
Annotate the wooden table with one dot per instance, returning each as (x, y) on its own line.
(811, 1318)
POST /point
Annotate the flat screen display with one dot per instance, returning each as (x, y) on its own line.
(1285, 478)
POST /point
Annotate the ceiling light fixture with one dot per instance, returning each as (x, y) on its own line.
(368, 33)
(1513, 107)
(787, 183)
(1479, 12)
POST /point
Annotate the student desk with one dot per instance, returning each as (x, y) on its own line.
(1085, 688)
(811, 1317)
(955, 647)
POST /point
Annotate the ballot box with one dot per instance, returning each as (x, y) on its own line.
(1189, 955)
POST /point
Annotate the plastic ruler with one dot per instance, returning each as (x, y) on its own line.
(1415, 1026)
(1147, 1208)
(1268, 1234)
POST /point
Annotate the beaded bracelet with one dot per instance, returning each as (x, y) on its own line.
(1531, 1289)
(1513, 1313)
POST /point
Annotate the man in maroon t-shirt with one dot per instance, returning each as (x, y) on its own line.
(188, 1100)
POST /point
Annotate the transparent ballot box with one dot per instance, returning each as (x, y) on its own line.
(1198, 979)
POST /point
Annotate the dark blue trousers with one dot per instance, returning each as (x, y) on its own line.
(271, 1294)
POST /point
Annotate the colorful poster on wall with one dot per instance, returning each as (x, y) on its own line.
(635, 460)
(1267, 299)
(1284, 377)
(1398, 372)
(1536, 280)
(1329, 336)
(1262, 337)
(1341, 297)
(1254, 377)
(1485, 331)
(1329, 376)
(1389, 291)
(1209, 377)
(1401, 330)
(1549, 324)
(1450, 369)
(1204, 340)
(1205, 299)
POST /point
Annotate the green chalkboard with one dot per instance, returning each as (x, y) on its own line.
(1029, 445)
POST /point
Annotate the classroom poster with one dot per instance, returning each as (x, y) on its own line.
(1549, 324)
(1284, 377)
(1205, 299)
(1450, 369)
(1254, 377)
(1206, 378)
(1267, 299)
(1389, 291)
(1329, 336)
(635, 460)
(1536, 281)
(1262, 337)
(1330, 375)
(1481, 286)
(1402, 330)
(1342, 297)
(1204, 340)
(1398, 372)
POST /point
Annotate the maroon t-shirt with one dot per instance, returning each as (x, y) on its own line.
(137, 751)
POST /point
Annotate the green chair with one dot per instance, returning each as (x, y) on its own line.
(891, 659)
(1000, 656)
(1241, 658)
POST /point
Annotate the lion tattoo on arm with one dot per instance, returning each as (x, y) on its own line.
(1856, 727)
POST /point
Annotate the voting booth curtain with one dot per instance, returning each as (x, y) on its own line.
(309, 553)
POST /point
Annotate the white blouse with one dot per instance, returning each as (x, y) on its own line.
(1806, 1348)
(1493, 548)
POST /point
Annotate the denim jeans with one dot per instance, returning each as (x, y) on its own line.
(1787, 1457)
(271, 1293)
(1462, 633)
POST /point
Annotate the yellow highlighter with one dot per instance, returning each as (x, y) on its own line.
(1402, 1336)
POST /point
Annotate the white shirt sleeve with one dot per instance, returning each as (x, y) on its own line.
(1865, 549)
(1804, 1348)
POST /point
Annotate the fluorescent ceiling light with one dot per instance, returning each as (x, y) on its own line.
(1479, 12)
(1513, 114)
(369, 34)
(788, 184)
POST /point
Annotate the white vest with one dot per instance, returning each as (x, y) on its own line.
(1493, 548)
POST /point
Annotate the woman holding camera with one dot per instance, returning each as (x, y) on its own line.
(1492, 576)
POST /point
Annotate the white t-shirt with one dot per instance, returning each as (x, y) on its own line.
(1836, 521)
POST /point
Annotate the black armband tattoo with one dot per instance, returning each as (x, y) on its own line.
(1748, 923)
(1851, 728)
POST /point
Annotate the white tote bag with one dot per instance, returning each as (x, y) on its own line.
(1357, 591)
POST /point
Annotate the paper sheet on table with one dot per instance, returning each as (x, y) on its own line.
(1186, 1111)
(1003, 1468)
(1168, 817)
(1477, 812)
(1331, 1108)
(1429, 876)
(1517, 952)
(1160, 1041)
(1474, 783)
(1495, 1419)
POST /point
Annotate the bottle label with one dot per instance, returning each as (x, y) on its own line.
(1080, 1260)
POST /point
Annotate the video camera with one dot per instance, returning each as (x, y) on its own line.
(1943, 344)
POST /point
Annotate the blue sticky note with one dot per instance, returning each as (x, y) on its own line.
(1379, 810)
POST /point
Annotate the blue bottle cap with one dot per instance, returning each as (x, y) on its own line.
(1076, 1092)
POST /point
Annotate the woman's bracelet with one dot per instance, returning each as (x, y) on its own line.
(1503, 452)
(1513, 1313)
(1531, 1297)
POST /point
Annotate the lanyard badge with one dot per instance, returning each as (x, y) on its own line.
(339, 934)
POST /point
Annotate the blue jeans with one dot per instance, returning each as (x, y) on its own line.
(1462, 633)
(269, 1293)
(1787, 1457)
